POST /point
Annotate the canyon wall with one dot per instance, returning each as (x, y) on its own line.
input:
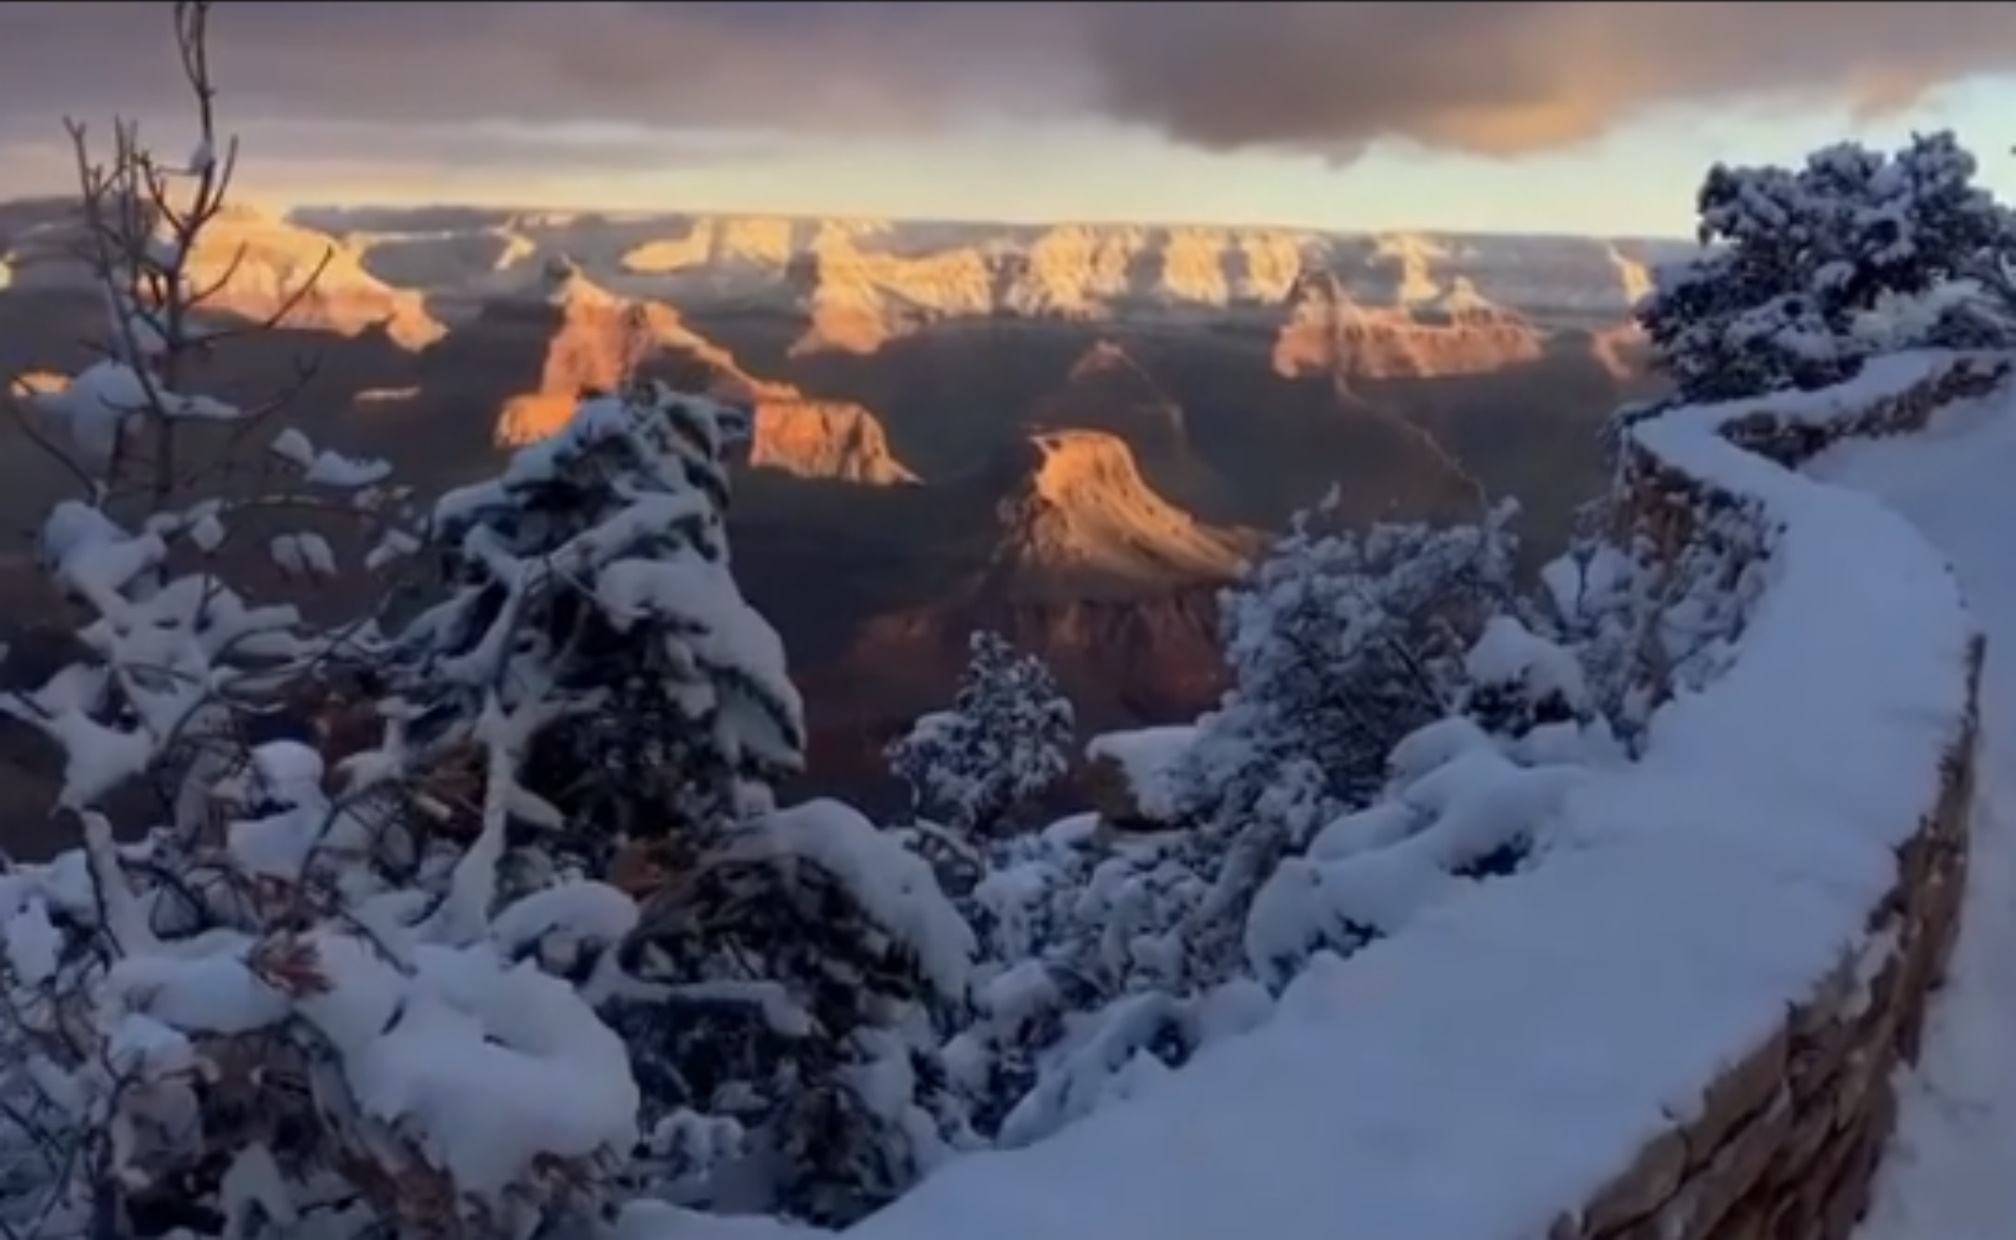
(1408, 301)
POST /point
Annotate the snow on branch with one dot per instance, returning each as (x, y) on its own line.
(289, 996)
(1005, 739)
(1815, 268)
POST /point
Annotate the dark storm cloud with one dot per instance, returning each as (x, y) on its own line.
(1498, 76)
(1505, 77)
(787, 65)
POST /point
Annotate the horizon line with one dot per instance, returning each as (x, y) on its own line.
(291, 208)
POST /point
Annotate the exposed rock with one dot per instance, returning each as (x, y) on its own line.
(480, 261)
(1454, 331)
(1107, 390)
(1124, 660)
(764, 241)
(1058, 544)
(1077, 520)
(857, 298)
(821, 439)
(1623, 350)
(1405, 304)
(260, 266)
(1073, 271)
(595, 338)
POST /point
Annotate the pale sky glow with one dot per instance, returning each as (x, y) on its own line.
(1639, 179)
(1474, 115)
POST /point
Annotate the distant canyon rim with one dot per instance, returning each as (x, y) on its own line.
(1073, 434)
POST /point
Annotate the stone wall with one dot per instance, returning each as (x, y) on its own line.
(1786, 1141)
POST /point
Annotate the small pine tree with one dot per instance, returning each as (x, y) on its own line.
(773, 993)
(594, 574)
(1004, 741)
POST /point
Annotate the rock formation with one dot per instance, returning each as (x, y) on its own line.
(760, 241)
(857, 284)
(1076, 519)
(1449, 331)
(593, 339)
(260, 266)
(458, 267)
(1108, 390)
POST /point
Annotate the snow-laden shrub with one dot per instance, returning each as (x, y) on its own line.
(1340, 642)
(1813, 269)
(1653, 589)
(1076, 930)
(1108, 958)
(288, 1005)
(266, 1030)
(783, 990)
(1004, 740)
(1469, 797)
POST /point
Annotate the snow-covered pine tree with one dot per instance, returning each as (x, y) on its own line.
(1005, 740)
(248, 1016)
(1812, 269)
(774, 993)
(596, 567)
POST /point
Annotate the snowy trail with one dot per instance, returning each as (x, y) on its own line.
(1950, 1173)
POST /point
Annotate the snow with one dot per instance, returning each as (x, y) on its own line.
(1681, 902)
(328, 468)
(1509, 653)
(303, 554)
(1002, 742)
(104, 395)
(1946, 1174)
(894, 885)
(1149, 758)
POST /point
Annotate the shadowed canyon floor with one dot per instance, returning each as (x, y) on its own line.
(1072, 434)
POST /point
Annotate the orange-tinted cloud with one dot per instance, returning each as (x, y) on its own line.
(496, 85)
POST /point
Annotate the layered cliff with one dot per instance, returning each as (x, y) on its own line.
(1060, 544)
(260, 266)
(1075, 519)
(594, 338)
(1399, 303)
(1435, 331)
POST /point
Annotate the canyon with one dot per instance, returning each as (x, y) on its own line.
(1073, 433)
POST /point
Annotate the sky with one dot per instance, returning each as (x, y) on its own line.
(1502, 115)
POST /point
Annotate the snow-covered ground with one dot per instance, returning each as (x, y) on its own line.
(1442, 1083)
(1950, 1173)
